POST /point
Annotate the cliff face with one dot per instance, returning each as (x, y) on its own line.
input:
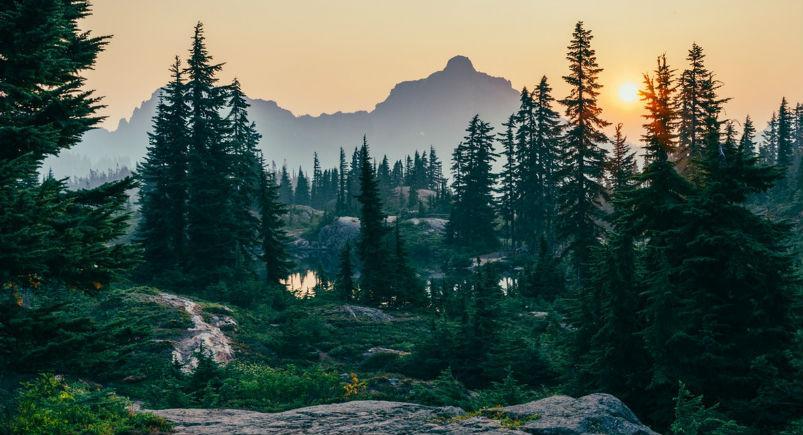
(592, 414)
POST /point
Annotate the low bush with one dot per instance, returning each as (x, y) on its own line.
(50, 405)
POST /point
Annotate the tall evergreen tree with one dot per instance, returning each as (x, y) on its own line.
(342, 192)
(768, 149)
(696, 97)
(581, 191)
(621, 164)
(548, 142)
(211, 245)
(286, 193)
(471, 221)
(786, 139)
(747, 143)
(371, 247)
(509, 180)
(273, 239)
(316, 186)
(49, 235)
(302, 190)
(246, 170)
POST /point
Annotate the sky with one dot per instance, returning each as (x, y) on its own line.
(324, 56)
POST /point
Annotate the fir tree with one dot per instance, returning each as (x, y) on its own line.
(548, 143)
(696, 98)
(747, 143)
(153, 232)
(621, 165)
(471, 221)
(508, 181)
(371, 247)
(316, 187)
(785, 140)
(273, 239)
(245, 176)
(302, 190)
(211, 245)
(286, 193)
(342, 193)
(49, 235)
(768, 149)
(581, 191)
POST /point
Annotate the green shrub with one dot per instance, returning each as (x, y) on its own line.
(268, 389)
(693, 418)
(49, 405)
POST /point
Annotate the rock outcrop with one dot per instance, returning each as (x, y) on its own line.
(559, 415)
(360, 313)
(206, 334)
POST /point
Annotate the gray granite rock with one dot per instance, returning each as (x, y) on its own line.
(558, 415)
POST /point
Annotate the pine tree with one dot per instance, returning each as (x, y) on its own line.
(48, 234)
(509, 181)
(342, 193)
(344, 284)
(286, 193)
(302, 190)
(786, 139)
(316, 187)
(747, 143)
(696, 98)
(581, 191)
(371, 247)
(245, 176)
(548, 142)
(154, 230)
(435, 170)
(785, 151)
(621, 165)
(211, 253)
(768, 149)
(471, 221)
(273, 239)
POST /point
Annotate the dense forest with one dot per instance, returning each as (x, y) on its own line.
(550, 254)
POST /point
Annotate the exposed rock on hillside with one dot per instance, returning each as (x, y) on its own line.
(337, 233)
(356, 312)
(593, 414)
(203, 333)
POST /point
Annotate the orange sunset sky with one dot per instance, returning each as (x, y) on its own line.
(345, 55)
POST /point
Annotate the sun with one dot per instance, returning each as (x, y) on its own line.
(628, 92)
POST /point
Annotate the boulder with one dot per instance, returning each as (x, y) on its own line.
(360, 313)
(594, 414)
(591, 414)
(334, 235)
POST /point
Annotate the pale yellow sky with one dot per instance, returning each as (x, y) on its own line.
(326, 56)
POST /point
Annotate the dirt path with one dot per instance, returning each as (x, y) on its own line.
(214, 341)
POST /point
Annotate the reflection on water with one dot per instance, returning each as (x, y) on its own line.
(303, 284)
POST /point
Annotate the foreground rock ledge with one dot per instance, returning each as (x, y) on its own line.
(557, 415)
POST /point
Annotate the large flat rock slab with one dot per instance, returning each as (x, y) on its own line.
(557, 415)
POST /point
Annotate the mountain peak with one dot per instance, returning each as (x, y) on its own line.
(459, 63)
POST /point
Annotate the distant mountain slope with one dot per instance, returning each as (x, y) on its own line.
(416, 114)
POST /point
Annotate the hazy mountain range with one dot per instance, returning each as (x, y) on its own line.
(416, 114)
